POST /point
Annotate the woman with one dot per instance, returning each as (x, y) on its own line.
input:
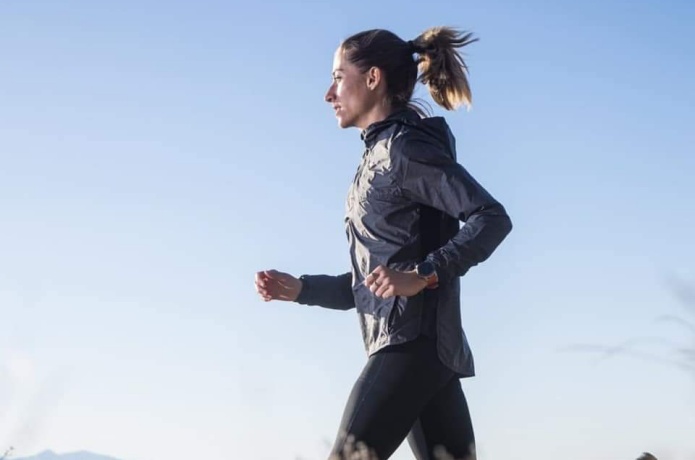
(407, 248)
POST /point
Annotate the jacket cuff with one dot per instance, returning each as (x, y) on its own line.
(439, 267)
(446, 271)
(305, 295)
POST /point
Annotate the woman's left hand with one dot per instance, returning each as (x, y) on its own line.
(385, 282)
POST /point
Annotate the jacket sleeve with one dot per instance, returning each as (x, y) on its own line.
(432, 176)
(327, 291)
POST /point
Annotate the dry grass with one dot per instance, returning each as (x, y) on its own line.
(359, 451)
(659, 349)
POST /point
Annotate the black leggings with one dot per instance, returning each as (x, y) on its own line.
(405, 391)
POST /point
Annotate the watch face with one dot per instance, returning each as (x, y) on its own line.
(425, 269)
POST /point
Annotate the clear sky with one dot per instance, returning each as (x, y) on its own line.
(154, 155)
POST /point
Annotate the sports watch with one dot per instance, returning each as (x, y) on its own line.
(428, 272)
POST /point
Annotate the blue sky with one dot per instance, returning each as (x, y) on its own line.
(154, 155)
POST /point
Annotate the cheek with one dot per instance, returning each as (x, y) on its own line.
(340, 91)
(346, 92)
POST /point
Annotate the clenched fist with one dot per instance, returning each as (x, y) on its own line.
(275, 285)
(386, 282)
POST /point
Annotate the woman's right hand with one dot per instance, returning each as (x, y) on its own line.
(275, 285)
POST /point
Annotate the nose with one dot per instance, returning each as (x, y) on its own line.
(330, 94)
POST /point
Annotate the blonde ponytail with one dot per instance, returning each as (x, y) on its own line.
(441, 66)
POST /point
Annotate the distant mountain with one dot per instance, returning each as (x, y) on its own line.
(50, 455)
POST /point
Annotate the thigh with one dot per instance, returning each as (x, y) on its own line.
(444, 427)
(394, 387)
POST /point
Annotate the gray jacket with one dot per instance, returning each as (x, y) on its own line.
(404, 206)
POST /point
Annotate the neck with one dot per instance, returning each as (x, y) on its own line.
(378, 113)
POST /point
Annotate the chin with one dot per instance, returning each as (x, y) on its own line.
(345, 123)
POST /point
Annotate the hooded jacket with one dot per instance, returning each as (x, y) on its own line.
(404, 206)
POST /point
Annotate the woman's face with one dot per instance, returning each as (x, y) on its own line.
(350, 93)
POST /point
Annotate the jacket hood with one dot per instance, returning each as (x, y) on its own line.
(433, 129)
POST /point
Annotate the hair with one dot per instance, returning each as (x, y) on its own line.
(440, 66)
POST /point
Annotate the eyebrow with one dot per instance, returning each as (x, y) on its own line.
(336, 70)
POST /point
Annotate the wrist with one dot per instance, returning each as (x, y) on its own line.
(302, 288)
(427, 272)
(417, 281)
(299, 287)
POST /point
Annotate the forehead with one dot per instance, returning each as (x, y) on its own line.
(340, 61)
(338, 58)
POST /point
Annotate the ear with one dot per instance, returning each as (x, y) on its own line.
(374, 77)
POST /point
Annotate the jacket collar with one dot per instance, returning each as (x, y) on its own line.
(371, 134)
